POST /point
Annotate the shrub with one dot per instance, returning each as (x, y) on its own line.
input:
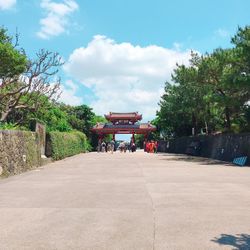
(63, 144)
(11, 126)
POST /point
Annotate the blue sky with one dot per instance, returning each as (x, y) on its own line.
(140, 22)
(119, 53)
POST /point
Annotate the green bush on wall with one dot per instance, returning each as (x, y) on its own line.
(64, 144)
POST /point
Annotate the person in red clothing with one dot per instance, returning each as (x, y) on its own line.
(151, 147)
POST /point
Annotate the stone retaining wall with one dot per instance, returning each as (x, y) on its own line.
(19, 152)
(223, 147)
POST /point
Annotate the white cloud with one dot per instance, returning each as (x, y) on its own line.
(68, 96)
(7, 4)
(124, 77)
(56, 20)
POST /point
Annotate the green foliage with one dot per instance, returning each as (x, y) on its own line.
(23, 82)
(8, 126)
(56, 120)
(81, 118)
(65, 144)
(13, 61)
(59, 117)
(139, 140)
(212, 94)
(11, 126)
(49, 114)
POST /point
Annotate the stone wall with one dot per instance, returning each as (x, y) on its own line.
(19, 152)
(223, 147)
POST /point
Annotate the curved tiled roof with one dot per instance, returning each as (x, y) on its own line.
(135, 116)
(109, 128)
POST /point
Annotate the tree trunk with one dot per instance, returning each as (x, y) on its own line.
(4, 115)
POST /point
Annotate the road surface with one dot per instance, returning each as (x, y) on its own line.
(127, 201)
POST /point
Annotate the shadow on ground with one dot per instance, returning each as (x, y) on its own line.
(238, 241)
(189, 158)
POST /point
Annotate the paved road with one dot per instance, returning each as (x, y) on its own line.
(127, 201)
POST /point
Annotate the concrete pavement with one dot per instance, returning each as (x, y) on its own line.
(127, 201)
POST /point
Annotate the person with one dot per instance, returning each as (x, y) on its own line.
(121, 147)
(125, 147)
(108, 147)
(129, 146)
(151, 147)
(133, 147)
(112, 146)
(103, 147)
(156, 146)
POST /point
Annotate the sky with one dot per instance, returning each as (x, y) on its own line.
(119, 53)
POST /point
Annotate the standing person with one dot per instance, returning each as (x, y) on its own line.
(125, 147)
(108, 147)
(151, 148)
(156, 146)
(112, 146)
(129, 146)
(103, 147)
(121, 147)
(133, 147)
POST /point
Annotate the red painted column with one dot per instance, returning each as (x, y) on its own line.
(113, 137)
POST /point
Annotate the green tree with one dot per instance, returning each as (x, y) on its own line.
(81, 117)
(184, 106)
(50, 113)
(23, 81)
(213, 92)
(13, 60)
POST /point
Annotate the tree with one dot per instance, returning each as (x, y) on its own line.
(23, 81)
(50, 113)
(242, 63)
(183, 105)
(212, 92)
(13, 61)
(80, 117)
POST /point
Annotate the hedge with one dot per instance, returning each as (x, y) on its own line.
(63, 144)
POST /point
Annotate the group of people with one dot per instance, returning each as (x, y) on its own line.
(123, 147)
(151, 146)
(106, 147)
(111, 146)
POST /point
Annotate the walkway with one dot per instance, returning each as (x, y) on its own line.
(126, 201)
